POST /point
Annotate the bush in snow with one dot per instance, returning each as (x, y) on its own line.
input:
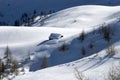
(114, 73)
(79, 75)
(64, 47)
(82, 36)
(2, 69)
(14, 66)
(111, 50)
(107, 32)
(91, 46)
(11, 64)
(83, 52)
(44, 63)
(8, 56)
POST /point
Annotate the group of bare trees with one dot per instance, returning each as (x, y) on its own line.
(8, 65)
(106, 31)
(112, 74)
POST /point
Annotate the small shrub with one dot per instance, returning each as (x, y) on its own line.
(91, 46)
(114, 73)
(79, 75)
(107, 32)
(2, 69)
(44, 63)
(82, 36)
(64, 47)
(111, 50)
(14, 66)
(83, 52)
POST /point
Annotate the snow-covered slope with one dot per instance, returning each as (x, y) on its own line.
(10, 10)
(21, 40)
(94, 67)
(70, 23)
(80, 17)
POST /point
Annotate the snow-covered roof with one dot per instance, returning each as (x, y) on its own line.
(55, 36)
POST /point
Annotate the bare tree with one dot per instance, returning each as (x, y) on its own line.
(8, 56)
(91, 46)
(82, 36)
(107, 32)
(44, 63)
(114, 73)
(2, 69)
(79, 75)
(63, 47)
(83, 52)
(111, 50)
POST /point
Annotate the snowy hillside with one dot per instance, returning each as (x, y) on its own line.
(84, 43)
(94, 67)
(80, 17)
(11, 10)
(22, 39)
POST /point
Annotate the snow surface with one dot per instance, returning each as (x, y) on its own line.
(80, 17)
(11, 10)
(21, 40)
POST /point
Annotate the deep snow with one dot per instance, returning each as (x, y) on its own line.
(21, 40)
